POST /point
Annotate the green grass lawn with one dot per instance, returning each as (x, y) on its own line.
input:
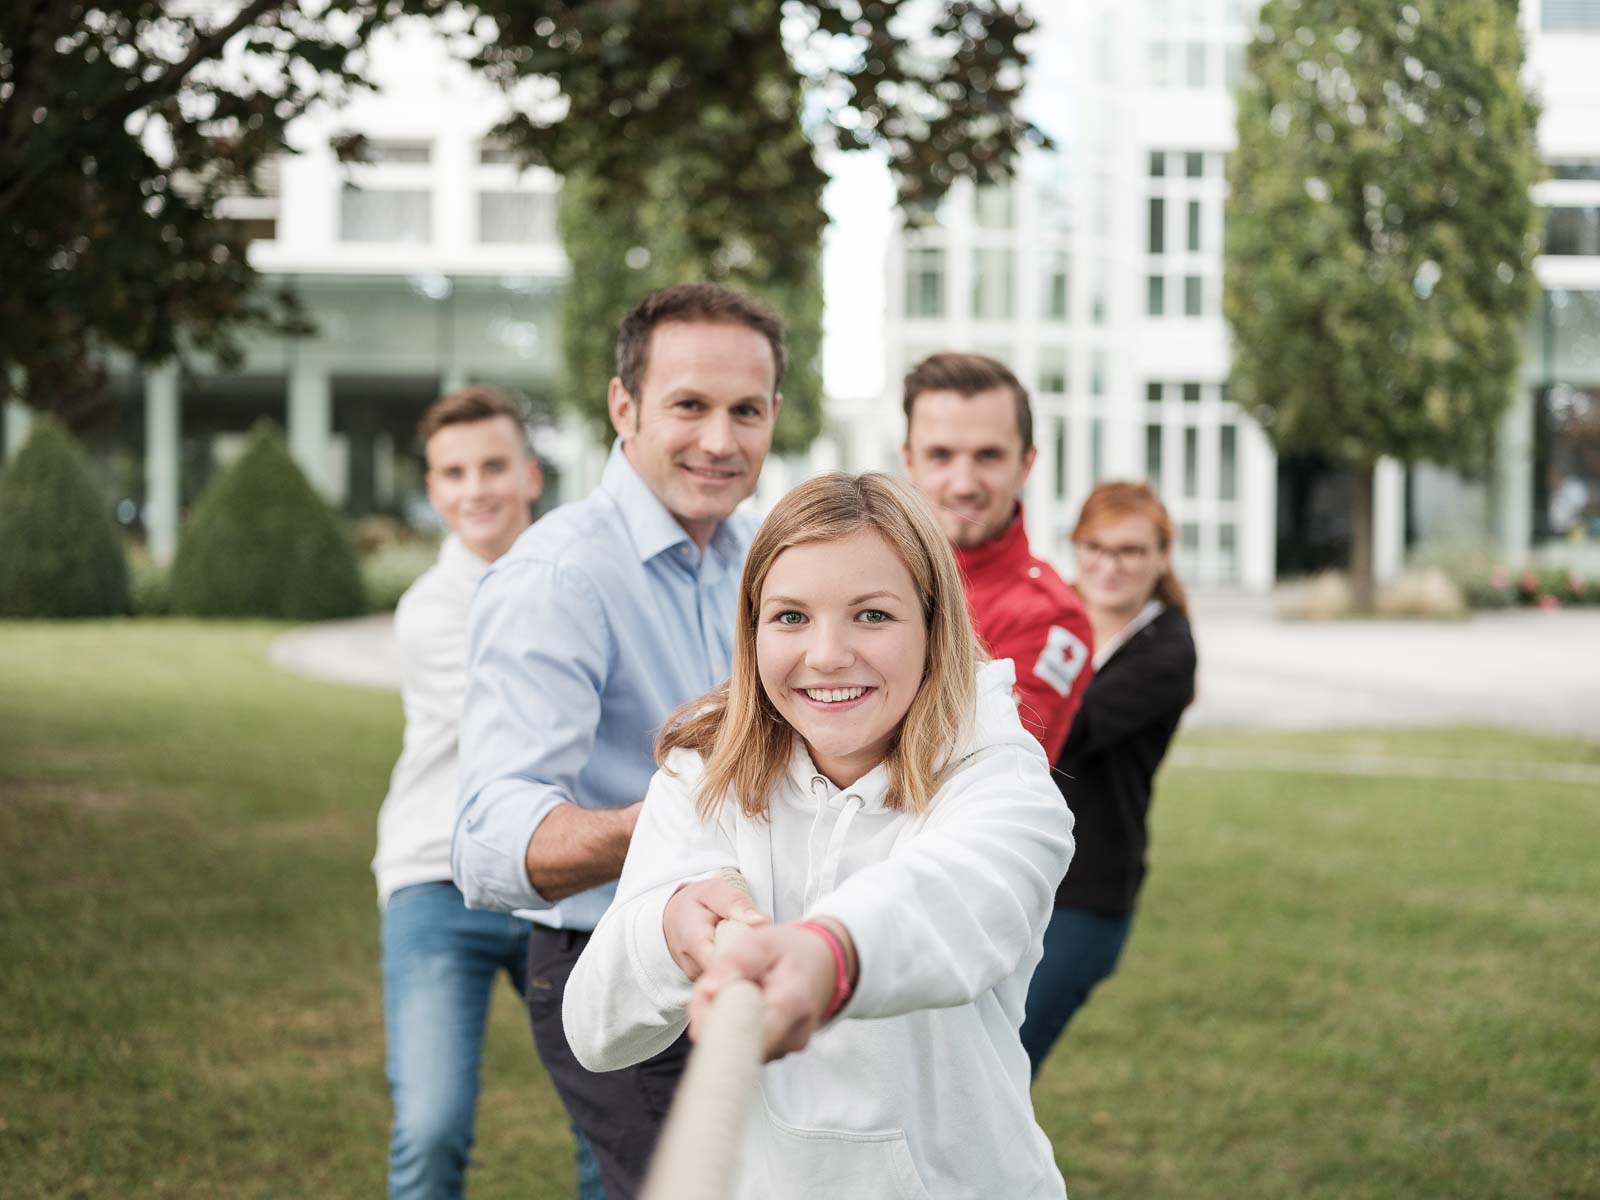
(1338, 986)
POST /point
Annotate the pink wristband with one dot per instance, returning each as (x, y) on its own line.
(841, 975)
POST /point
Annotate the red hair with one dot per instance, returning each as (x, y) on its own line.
(1114, 501)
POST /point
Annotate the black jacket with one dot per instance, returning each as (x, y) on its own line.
(1118, 739)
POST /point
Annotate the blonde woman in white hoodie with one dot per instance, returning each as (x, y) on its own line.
(901, 841)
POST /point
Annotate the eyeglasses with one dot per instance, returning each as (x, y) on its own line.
(1123, 557)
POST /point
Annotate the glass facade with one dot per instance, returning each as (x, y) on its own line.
(1565, 371)
(395, 215)
(925, 281)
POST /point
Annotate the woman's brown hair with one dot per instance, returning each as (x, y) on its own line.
(1114, 501)
(737, 730)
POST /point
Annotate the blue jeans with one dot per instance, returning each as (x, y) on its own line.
(1081, 948)
(440, 959)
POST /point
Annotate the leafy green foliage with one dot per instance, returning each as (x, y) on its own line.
(621, 253)
(262, 543)
(120, 135)
(1380, 233)
(60, 555)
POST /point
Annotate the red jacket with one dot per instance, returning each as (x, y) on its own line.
(1024, 611)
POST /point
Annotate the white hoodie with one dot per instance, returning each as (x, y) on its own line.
(919, 1087)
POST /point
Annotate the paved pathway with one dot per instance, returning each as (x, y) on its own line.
(1523, 668)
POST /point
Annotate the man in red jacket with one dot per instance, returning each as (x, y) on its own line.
(969, 448)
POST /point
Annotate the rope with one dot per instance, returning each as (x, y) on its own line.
(697, 1157)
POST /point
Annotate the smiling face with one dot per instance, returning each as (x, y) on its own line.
(702, 425)
(965, 454)
(840, 648)
(483, 481)
(1120, 560)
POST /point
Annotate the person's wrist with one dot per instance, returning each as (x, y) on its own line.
(841, 984)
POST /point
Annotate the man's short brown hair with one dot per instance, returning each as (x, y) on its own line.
(475, 402)
(692, 302)
(967, 375)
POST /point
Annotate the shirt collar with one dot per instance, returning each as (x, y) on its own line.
(1151, 610)
(458, 560)
(1010, 547)
(652, 529)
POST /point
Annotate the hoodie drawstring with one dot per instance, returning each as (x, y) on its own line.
(830, 861)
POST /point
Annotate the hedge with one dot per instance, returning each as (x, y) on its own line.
(262, 543)
(60, 552)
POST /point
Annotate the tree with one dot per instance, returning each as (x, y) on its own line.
(262, 543)
(60, 555)
(1380, 233)
(620, 254)
(121, 130)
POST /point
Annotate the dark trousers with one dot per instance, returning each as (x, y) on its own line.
(621, 1112)
(1081, 949)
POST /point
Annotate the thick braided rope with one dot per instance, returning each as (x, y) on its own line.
(697, 1157)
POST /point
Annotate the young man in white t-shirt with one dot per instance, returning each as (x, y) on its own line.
(440, 959)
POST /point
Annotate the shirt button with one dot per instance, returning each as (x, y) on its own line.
(1034, 572)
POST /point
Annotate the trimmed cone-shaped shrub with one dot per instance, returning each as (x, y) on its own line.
(60, 554)
(262, 543)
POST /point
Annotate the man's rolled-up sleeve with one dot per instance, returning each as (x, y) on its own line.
(538, 653)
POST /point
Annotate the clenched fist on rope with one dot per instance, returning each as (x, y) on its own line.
(803, 976)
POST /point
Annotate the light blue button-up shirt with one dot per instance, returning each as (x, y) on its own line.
(583, 638)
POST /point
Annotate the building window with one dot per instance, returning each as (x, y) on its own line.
(1097, 293)
(1158, 164)
(1188, 549)
(1567, 462)
(1160, 68)
(994, 206)
(1191, 462)
(393, 150)
(1228, 553)
(1155, 292)
(1232, 64)
(1575, 168)
(1053, 370)
(1572, 231)
(1195, 61)
(1158, 225)
(1056, 287)
(1152, 455)
(925, 281)
(1191, 393)
(516, 218)
(492, 154)
(1097, 373)
(385, 215)
(1228, 463)
(1570, 16)
(1152, 393)
(1059, 457)
(1097, 448)
(1191, 296)
(1194, 226)
(1194, 164)
(993, 283)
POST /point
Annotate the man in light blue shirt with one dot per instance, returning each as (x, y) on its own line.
(601, 620)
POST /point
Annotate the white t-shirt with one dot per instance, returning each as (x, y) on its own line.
(418, 815)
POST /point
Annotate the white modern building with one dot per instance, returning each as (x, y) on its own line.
(1097, 275)
(433, 263)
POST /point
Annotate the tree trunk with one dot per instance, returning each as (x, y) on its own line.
(1363, 589)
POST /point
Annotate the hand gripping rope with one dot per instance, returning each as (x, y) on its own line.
(697, 1157)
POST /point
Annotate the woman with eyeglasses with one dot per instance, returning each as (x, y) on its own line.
(1144, 664)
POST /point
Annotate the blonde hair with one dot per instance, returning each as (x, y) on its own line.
(737, 730)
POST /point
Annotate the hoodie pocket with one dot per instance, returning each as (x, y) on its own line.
(825, 1162)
